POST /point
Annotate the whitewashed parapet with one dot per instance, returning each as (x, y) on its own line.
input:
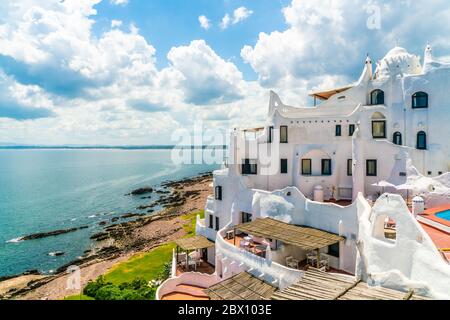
(195, 279)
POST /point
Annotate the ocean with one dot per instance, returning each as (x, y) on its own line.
(43, 190)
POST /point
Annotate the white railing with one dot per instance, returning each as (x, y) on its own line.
(272, 272)
(202, 230)
(196, 279)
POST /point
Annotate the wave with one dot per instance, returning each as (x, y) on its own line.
(15, 240)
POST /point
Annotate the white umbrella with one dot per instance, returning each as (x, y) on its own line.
(407, 187)
(383, 184)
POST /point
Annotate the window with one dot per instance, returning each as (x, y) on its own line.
(333, 250)
(217, 224)
(284, 166)
(211, 221)
(250, 167)
(283, 134)
(218, 193)
(351, 129)
(379, 129)
(397, 138)
(371, 168)
(377, 97)
(421, 140)
(306, 167)
(338, 130)
(419, 100)
(350, 167)
(270, 139)
(246, 217)
(326, 167)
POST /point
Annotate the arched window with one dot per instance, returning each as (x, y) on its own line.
(398, 138)
(421, 140)
(377, 97)
(420, 100)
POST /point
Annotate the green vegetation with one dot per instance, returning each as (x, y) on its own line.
(129, 280)
(145, 265)
(138, 289)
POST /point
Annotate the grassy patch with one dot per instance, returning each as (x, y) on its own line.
(78, 297)
(145, 265)
(149, 266)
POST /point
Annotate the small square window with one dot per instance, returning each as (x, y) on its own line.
(270, 138)
(217, 224)
(351, 129)
(211, 221)
(283, 134)
(379, 129)
(430, 173)
(284, 166)
(218, 193)
(350, 167)
(249, 167)
(326, 167)
(306, 167)
(338, 130)
(371, 168)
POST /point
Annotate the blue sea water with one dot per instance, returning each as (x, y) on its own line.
(46, 190)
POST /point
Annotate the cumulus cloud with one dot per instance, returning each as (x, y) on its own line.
(239, 15)
(204, 22)
(226, 20)
(332, 37)
(116, 23)
(21, 102)
(119, 2)
(204, 76)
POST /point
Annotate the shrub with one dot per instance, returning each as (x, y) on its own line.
(93, 286)
(109, 292)
(138, 289)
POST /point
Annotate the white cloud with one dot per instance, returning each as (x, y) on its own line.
(204, 22)
(226, 20)
(240, 14)
(204, 76)
(119, 2)
(330, 38)
(116, 23)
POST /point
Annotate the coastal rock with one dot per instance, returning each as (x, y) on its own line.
(131, 215)
(56, 254)
(51, 233)
(141, 191)
(102, 223)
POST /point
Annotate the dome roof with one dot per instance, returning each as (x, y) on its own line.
(398, 62)
(397, 51)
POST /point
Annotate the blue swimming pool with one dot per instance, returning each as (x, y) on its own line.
(444, 215)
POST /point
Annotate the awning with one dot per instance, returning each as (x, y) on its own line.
(325, 95)
(303, 237)
(194, 243)
(319, 285)
(242, 286)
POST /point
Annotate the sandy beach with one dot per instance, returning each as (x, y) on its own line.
(119, 242)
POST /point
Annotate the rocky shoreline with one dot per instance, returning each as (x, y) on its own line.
(176, 198)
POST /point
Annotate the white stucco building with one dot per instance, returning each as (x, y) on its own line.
(306, 163)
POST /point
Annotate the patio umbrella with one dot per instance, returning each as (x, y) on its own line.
(407, 187)
(383, 184)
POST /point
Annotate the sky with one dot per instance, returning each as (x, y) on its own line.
(131, 72)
